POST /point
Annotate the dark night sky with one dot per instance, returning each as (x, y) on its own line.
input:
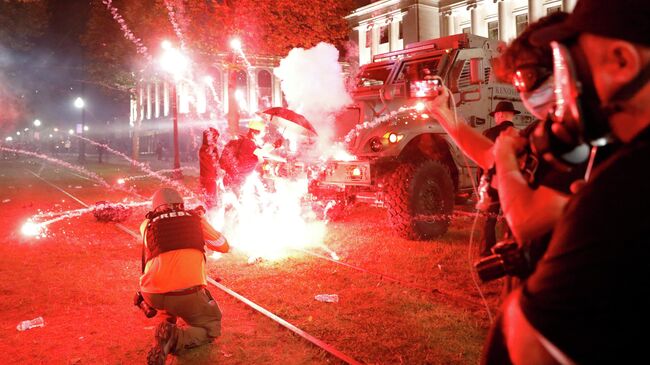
(55, 74)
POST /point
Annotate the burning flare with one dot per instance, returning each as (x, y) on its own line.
(31, 229)
(269, 223)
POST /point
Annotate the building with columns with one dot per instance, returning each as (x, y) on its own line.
(389, 25)
(203, 97)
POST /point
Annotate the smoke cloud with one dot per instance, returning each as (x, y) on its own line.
(10, 103)
(314, 86)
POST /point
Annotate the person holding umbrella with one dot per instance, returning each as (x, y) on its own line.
(241, 155)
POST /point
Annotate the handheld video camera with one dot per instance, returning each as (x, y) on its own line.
(508, 259)
(427, 88)
(139, 302)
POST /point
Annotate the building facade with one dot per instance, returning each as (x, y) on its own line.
(203, 97)
(389, 25)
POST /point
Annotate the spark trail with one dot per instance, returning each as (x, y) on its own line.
(174, 21)
(143, 167)
(93, 176)
(128, 34)
(36, 228)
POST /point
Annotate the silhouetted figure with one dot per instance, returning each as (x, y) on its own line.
(238, 159)
(208, 159)
(159, 150)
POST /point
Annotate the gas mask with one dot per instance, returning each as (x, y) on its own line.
(534, 83)
(579, 121)
(539, 101)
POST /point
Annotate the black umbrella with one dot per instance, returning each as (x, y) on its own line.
(288, 119)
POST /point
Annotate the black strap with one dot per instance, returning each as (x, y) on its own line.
(142, 260)
(629, 90)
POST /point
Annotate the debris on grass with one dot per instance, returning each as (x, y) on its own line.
(327, 298)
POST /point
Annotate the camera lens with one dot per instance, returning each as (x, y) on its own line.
(490, 268)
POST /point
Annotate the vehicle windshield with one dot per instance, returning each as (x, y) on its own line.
(375, 76)
(419, 70)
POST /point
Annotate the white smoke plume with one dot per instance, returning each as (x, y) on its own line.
(314, 86)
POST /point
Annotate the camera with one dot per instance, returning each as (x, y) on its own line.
(139, 302)
(509, 258)
(429, 88)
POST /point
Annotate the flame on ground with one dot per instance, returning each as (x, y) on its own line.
(31, 229)
(268, 223)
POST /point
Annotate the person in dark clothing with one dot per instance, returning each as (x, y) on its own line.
(208, 160)
(503, 115)
(239, 157)
(585, 302)
(159, 151)
(100, 150)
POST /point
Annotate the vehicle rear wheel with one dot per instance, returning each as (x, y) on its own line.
(420, 200)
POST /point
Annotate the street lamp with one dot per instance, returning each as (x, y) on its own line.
(233, 103)
(235, 44)
(175, 63)
(37, 123)
(80, 104)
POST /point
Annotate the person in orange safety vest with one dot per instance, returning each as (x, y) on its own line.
(174, 278)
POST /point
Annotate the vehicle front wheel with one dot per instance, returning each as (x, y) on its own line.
(420, 200)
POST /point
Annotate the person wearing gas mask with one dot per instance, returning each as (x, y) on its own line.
(585, 302)
(173, 277)
(537, 205)
(208, 160)
(241, 155)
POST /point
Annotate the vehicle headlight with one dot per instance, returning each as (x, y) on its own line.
(392, 138)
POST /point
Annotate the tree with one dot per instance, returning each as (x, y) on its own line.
(271, 27)
(23, 21)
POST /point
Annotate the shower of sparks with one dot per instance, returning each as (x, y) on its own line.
(128, 34)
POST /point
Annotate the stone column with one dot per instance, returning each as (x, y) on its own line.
(447, 21)
(252, 90)
(568, 5)
(502, 20)
(534, 10)
(157, 99)
(475, 19)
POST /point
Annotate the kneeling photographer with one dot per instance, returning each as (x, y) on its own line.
(173, 281)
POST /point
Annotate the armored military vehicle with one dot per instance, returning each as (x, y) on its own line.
(405, 161)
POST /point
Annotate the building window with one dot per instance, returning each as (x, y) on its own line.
(400, 34)
(553, 9)
(383, 34)
(368, 38)
(493, 30)
(265, 89)
(522, 23)
(467, 30)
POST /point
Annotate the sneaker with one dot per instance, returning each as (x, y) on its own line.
(165, 342)
(156, 356)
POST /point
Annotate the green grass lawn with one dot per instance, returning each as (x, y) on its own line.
(82, 276)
